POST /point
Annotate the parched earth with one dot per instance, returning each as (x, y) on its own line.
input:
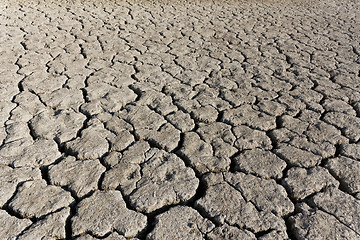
(180, 120)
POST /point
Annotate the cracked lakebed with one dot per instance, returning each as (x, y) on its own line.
(180, 120)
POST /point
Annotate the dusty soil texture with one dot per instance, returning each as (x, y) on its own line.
(179, 119)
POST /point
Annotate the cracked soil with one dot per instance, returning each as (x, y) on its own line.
(179, 119)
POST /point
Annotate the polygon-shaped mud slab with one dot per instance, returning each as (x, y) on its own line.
(109, 212)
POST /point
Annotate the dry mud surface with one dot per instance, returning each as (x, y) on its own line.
(180, 120)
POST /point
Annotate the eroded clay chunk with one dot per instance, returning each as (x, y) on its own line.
(351, 150)
(341, 205)
(108, 213)
(180, 223)
(80, 177)
(200, 155)
(350, 125)
(125, 168)
(11, 226)
(260, 162)
(211, 131)
(165, 180)
(61, 126)
(93, 142)
(36, 198)
(153, 127)
(11, 177)
(245, 114)
(181, 120)
(63, 98)
(317, 224)
(267, 195)
(303, 182)
(220, 136)
(151, 178)
(247, 138)
(297, 157)
(51, 227)
(225, 204)
(347, 171)
(40, 153)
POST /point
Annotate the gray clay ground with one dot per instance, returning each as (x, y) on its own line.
(180, 120)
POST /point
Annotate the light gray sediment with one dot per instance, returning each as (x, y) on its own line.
(126, 119)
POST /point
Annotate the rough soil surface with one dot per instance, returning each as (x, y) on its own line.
(179, 119)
